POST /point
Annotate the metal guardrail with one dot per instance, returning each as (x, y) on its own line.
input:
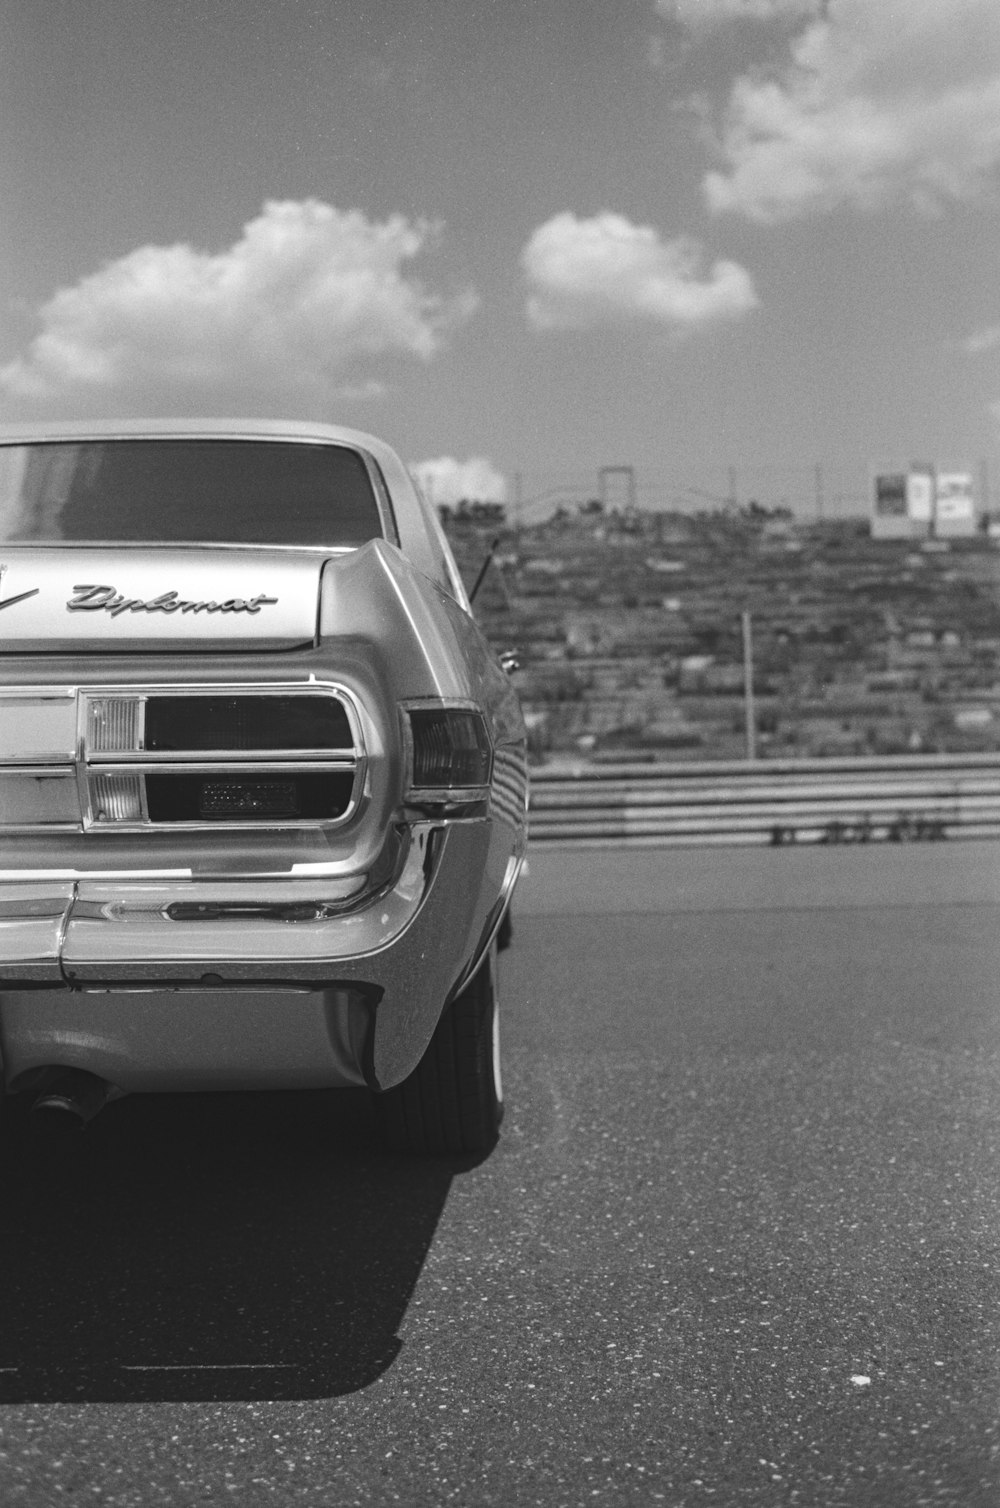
(904, 799)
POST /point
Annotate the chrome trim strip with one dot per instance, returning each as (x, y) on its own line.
(48, 770)
(28, 907)
(438, 795)
(149, 764)
(383, 500)
(334, 872)
(335, 758)
(327, 552)
(43, 829)
(239, 901)
(70, 876)
(514, 866)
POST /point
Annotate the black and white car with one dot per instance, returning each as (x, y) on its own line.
(263, 783)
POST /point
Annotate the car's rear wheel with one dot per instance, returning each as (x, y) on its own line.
(452, 1102)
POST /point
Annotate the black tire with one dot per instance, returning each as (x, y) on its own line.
(452, 1102)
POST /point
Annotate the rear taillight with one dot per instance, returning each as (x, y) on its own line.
(301, 795)
(230, 756)
(451, 750)
(245, 724)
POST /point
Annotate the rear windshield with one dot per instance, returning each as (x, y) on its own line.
(193, 491)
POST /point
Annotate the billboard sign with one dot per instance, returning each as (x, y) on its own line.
(955, 499)
(890, 494)
(920, 492)
(914, 499)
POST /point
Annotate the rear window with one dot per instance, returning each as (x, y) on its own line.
(190, 491)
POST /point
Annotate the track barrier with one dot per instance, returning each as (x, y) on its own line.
(909, 798)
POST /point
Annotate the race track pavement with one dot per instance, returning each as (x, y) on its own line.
(738, 1243)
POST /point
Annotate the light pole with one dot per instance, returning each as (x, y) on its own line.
(748, 703)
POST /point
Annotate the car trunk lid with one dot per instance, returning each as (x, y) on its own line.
(96, 600)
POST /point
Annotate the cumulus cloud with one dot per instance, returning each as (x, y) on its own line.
(709, 15)
(446, 480)
(874, 104)
(586, 273)
(985, 339)
(303, 295)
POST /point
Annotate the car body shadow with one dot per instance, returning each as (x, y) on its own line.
(209, 1247)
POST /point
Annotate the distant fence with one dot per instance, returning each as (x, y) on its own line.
(830, 489)
(904, 799)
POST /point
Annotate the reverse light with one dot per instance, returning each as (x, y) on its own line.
(451, 749)
(113, 723)
(116, 798)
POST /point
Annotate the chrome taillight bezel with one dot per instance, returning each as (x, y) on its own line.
(128, 704)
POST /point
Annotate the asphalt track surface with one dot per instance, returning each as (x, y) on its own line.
(739, 1242)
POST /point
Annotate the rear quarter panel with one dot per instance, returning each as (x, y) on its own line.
(383, 619)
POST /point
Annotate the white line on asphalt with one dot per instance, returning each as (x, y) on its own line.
(218, 1366)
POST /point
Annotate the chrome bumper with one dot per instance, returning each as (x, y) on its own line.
(399, 952)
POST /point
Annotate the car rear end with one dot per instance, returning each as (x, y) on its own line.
(262, 783)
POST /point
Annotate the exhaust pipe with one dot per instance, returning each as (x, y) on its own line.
(70, 1099)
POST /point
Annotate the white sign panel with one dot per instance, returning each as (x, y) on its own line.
(955, 500)
(920, 495)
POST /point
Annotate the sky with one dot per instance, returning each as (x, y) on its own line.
(520, 240)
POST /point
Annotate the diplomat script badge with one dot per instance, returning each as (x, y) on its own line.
(93, 599)
(9, 601)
